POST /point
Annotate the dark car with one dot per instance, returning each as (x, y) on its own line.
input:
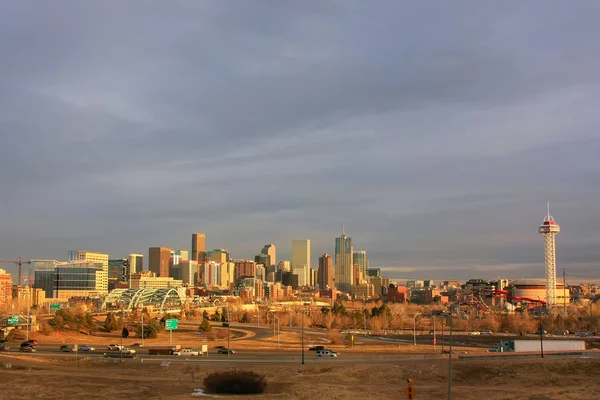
(226, 324)
(67, 349)
(32, 341)
(226, 351)
(28, 344)
(219, 347)
(27, 349)
(316, 348)
(4, 347)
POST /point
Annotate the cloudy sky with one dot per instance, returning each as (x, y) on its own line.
(433, 131)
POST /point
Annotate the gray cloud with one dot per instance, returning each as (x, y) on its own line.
(434, 132)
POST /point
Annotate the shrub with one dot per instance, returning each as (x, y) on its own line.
(205, 326)
(235, 382)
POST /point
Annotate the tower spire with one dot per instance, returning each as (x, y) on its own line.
(343, 230)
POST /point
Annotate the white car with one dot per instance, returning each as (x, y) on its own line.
(125, 350)
(327, 353)
(115, 347)
(475, 333)
(487, 332)
(186, 352)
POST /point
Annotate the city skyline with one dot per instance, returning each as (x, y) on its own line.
(435, 134)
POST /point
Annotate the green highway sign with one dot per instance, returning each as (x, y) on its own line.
(171, 324)
(55, 306)
(14, 320)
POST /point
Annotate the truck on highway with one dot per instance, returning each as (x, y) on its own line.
(163, 350)
(519, 346)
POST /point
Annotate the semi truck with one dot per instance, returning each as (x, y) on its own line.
(163, 350)
(519, 346)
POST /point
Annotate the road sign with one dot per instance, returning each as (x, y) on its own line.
(171, 324)
(55, 306)
(14, 320)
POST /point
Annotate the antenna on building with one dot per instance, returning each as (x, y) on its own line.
(548, 211)
(343, 230)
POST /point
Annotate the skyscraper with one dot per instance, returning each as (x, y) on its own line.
(81, 255)
(136, 263)
(270, 250)
(343, 263)
(198, 247)
(325, 275)
(301, 260)
(360, 258)
(159, 259)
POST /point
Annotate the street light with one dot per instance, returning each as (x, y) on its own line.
(276, 318)
(303, 312)
(434, 340)
(415, 328)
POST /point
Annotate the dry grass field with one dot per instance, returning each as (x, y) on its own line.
(535, 379)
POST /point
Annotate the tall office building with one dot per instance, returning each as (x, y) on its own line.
(219, 256)
(136, 264)
(159, 260)
(343, 264)
(360, 258)
(118, 271)
(325, 272)
(5, 287)
(188, 272)
(244, 268)
(81, 255)
(271, 251)
(199, 247)
(301, 260)
(43, 272)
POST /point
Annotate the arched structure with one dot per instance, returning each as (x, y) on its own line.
(165, 300)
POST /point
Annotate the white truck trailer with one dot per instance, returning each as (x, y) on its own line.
(519, 346)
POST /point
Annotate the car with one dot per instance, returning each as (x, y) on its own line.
(226, 324)
(28, 344)
(115, 347)
(487, 332)
(32, 341)
(327, 353)
(225, 350)
(475, 333)
(66, 348)
(4, 341)
(186, 352)
(316, 348)
(27, 349)
(4, 347)
(219, 347)
(85, 347)
(126, 350)
(137, 345)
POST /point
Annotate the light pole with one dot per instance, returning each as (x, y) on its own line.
(450, 360)
(142, 327)
(415, 328)
(303, 310)
(228, 333)
(434, 340)
(276, 318)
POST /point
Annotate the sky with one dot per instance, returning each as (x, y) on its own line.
(434, 132)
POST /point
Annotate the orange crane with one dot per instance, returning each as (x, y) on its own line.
(20, 263)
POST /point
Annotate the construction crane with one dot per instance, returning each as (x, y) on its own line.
(20, 263)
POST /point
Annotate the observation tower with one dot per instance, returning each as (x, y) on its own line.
(549, 229)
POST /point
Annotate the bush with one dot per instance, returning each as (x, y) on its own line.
(151, 329)
(205, 326)
(235, 382)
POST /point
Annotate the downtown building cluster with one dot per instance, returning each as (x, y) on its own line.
(203, 272)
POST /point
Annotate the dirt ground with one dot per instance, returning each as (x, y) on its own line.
(533, 379)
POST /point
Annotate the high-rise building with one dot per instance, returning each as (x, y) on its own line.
(325, 272)
(136, 263)
(360, 258)
(219, 256)
(159, 260)
(343, 263)
(284, 265)
(5, 287)
(244, 268)
(314, 277)
(78, 278)
(199, 247)
(188, 272)
(81, 255)
(118, 270)
(301, 260)
(271, 251)
(43, 272)
(263, 259)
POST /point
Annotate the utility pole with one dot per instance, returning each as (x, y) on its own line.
(450, 361)
(564, 292)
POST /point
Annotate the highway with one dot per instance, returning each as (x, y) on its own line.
(240, 357)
